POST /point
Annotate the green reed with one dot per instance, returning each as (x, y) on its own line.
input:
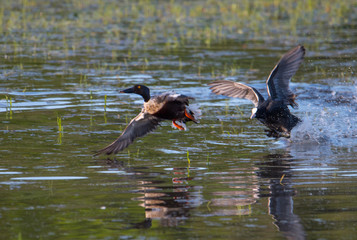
(8, 107)
(105, 103)
(188, 163)
(60, 130)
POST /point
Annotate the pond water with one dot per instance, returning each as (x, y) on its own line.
(63, 65)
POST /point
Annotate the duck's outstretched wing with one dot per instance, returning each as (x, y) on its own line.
(138, 127)
(237, 90)
(279, 78)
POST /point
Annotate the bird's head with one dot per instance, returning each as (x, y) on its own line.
(139, 89)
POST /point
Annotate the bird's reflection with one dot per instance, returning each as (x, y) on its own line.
(172, 203)
(169, 203)
(277, 169)
(170, 200)
(167, 200)
(239, 192)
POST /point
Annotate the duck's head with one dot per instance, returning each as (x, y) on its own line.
(139, 89)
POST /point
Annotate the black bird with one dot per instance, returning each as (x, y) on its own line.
(167, 106)
(273, 112)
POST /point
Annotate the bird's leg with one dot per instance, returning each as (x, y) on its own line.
(176, 125)
(189, 116)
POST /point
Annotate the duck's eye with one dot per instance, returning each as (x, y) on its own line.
(139, 87)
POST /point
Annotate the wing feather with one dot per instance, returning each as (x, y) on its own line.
(237, 90)
(138, 127)
(279, 78)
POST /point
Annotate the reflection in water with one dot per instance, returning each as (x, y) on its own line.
(242, 192)
(171, 200)
(170, 204)
(168, 200)
(277, 169)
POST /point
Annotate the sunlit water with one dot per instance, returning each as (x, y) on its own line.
(221, 179)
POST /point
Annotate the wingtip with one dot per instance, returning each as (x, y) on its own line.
(97, 153)
(216, 82)
(301, 48)
(104, 151)
(211, 84)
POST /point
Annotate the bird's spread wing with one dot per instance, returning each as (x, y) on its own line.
(279, 78)
(237, 90)
(138, 127)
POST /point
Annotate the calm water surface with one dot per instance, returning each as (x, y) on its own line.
(221, 179)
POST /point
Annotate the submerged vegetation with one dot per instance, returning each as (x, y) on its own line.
(141, 24)
(129, 34)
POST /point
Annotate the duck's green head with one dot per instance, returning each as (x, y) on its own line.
(139, 89)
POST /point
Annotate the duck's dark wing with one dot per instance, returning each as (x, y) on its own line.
(237, 90)
(138, 127)
(279, 78)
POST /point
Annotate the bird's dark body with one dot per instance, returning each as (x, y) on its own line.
(277, 117)
(273, 112)
(173, 109)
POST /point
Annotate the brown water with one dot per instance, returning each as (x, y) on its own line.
(238, 184)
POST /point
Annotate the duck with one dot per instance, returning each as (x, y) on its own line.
(166, 106)
(273, 112)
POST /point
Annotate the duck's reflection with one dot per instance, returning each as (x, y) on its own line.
(169, 197)
(169, 203)
(172, 204)
(240, 191)
(277, 169)
(168, 200)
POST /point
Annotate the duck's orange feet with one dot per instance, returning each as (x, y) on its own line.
(176, 125)
(189, 115)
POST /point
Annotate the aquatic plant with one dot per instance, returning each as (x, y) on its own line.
(60, 130)
(188, 164)
(8, 107)
(105, 103)
(188, 158)
(141, 24)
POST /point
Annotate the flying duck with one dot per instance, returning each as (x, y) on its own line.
(273, 112)
(167, 106)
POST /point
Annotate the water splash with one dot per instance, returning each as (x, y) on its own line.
(329, 121)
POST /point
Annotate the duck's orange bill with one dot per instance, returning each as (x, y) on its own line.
(178, 126)
(189, 115)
